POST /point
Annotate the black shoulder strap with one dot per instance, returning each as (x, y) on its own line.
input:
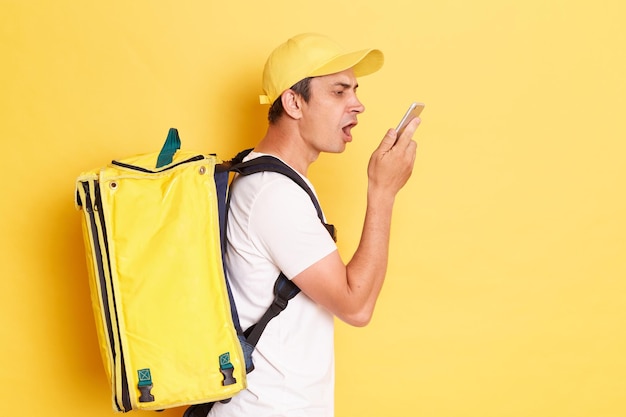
(284, 288)
(270, 163)
(273, 164)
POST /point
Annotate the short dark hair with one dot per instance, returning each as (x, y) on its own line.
(302, 88)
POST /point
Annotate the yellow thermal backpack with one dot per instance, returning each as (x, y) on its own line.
(153, 228)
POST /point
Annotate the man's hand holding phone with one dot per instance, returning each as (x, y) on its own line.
(392, 162)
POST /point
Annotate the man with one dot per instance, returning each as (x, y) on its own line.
(273, 226)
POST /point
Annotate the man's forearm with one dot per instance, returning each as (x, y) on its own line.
(367, 268)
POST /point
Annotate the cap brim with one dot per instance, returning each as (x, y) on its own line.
(363, 62)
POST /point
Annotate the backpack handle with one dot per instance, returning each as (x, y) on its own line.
(171, 145)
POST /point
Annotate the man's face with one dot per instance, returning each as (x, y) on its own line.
(331, 113)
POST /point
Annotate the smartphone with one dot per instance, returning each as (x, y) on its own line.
(414, 110)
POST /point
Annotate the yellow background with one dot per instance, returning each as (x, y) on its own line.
(506, 285)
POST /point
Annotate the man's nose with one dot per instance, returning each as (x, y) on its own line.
(358, 107)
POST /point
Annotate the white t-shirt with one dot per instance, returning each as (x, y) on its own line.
(272, 227)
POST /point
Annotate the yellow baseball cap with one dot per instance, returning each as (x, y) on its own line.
(312, 55)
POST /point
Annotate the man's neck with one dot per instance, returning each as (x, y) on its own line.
(287, 144)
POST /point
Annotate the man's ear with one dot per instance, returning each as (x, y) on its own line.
(292, 104)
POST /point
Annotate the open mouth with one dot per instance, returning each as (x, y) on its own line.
(347, 129)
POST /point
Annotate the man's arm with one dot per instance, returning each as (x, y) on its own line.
(350, 291)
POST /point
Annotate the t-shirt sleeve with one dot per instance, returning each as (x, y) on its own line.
(287, 228)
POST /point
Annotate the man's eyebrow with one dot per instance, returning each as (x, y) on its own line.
(347, 85)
